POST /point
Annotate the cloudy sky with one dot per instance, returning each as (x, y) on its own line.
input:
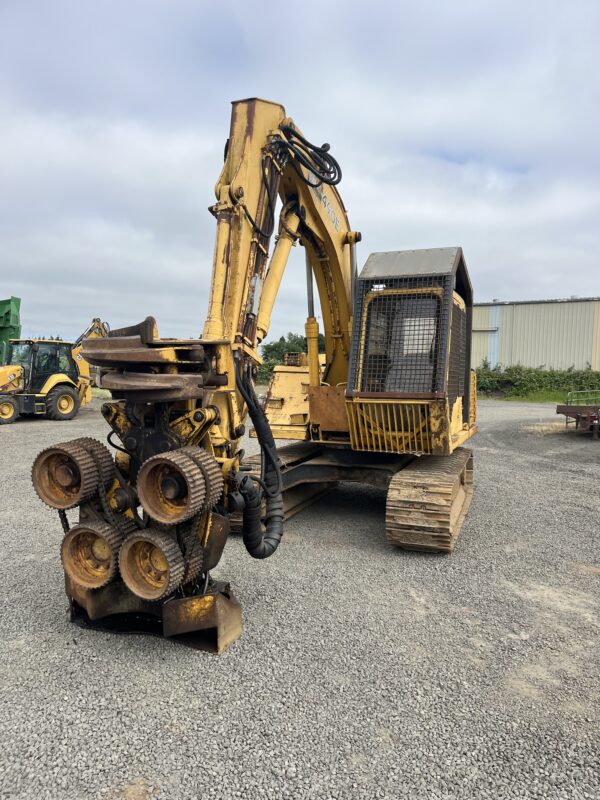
(466, 122)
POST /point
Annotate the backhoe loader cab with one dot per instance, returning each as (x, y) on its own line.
(41, 377)
(46, 377)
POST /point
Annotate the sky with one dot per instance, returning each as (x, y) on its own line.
(455, 123)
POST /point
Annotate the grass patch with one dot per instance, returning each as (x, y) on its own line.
(545, 428)
(534, 385)
(538, 396)
(100, 392)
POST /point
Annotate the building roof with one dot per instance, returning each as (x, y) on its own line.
(534, 302)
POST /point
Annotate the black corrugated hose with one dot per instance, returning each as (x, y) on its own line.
(257, 543)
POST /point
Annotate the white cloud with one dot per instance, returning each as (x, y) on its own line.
(456, 123)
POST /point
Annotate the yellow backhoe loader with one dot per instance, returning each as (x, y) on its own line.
(392, 404)
(46, 377)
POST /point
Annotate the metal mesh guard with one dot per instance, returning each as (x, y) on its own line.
(402, 337)
(400, 331)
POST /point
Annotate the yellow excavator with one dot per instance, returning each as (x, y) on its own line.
(392, 404)
(47, 377)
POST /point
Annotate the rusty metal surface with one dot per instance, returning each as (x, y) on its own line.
(574, 411)
(149, 381)
(210, 621)
(216, 537)
(187, 490)
(66, 475)
(327, 407)
(149, 386)
(217, 612)
(110, 355)
(129, 365)
(131, 349)
(115, 598)
(146, 331)
(586, 418)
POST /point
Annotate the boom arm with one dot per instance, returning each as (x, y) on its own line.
(96, 330)
(267, 156)
(179, 393)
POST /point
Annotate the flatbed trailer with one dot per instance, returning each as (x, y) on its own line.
(582, 409)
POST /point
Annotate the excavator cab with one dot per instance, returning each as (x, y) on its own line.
(410, 383)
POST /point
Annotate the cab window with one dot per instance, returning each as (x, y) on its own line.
(47, 359)
(66, 363)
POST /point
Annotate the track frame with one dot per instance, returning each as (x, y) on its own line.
(428, 496)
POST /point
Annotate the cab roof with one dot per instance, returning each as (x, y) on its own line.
(429, 262)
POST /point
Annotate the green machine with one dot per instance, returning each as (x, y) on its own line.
(10, 323)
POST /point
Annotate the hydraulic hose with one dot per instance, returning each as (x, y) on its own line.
(317, 160)
(258, 543)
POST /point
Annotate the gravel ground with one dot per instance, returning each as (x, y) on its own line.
(362, 672)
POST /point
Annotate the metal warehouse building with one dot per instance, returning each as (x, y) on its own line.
(555, 334)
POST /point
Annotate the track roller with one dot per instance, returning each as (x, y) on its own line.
(151, 564)
(64, 476)
(90, 553)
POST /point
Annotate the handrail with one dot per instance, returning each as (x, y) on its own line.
(584, 397)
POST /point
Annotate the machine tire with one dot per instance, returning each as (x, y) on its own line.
(62, 403)
(9, 409)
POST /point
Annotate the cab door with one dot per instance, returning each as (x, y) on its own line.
(45, 364)
(66, 363)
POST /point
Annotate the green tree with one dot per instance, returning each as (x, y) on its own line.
(273, 352)
(292, 343)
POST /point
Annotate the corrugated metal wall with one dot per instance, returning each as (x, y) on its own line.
(555, 335)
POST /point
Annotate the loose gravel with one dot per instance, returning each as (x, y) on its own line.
(362, 672)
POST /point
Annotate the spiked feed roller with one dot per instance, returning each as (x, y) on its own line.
(64, 476)
(90, 553)
(151, 564)
(173, 487)
(137, 545)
